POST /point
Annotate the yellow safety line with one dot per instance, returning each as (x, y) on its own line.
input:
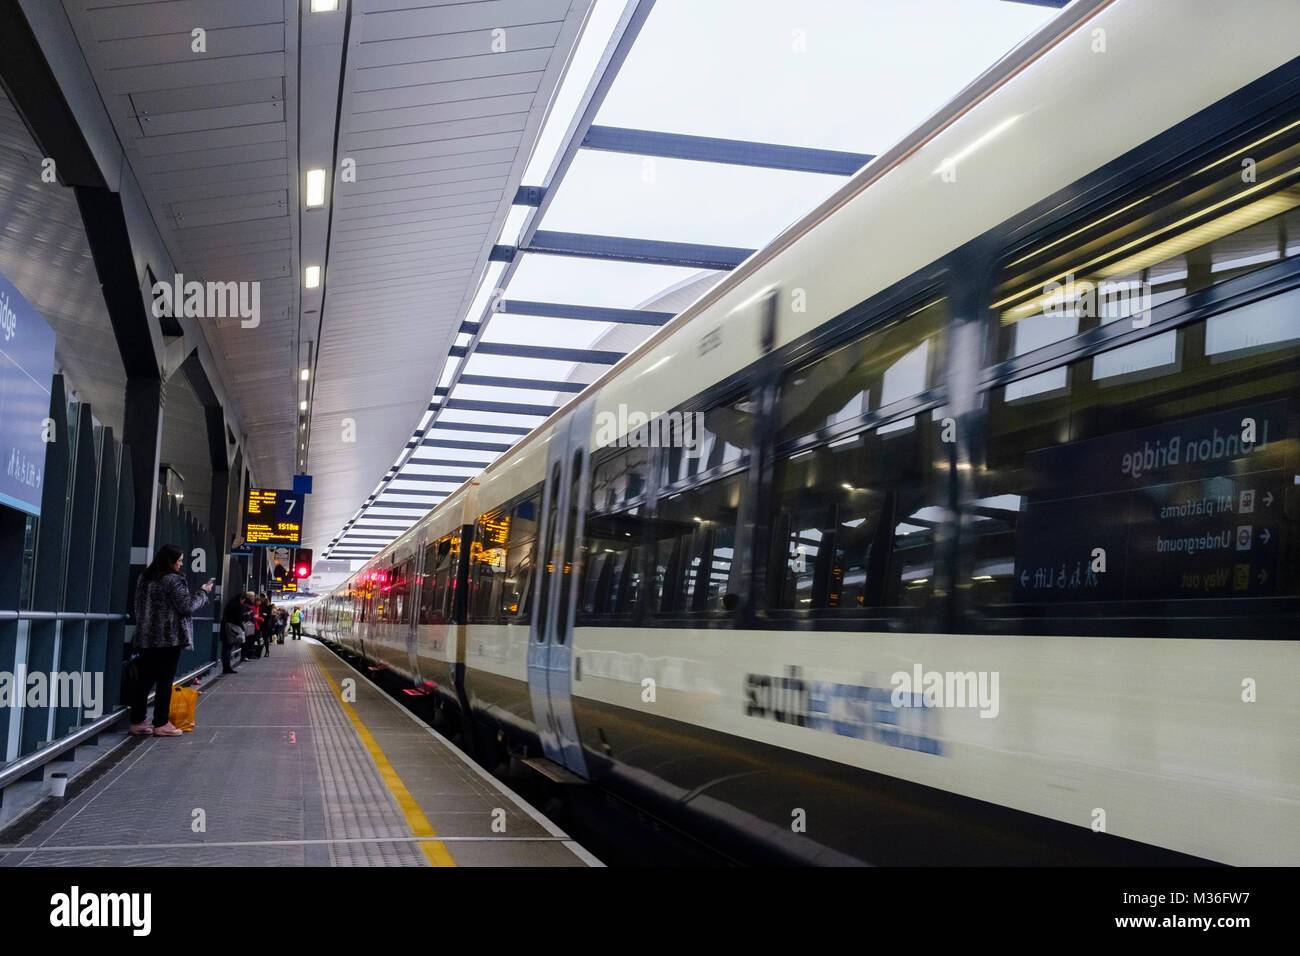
(420, 826)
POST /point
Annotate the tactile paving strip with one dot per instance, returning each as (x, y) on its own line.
(357, 804)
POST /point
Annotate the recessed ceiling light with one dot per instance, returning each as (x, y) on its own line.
(302, 406)
(311, 277)
(315, 187)
(324, 6)
(305, 374)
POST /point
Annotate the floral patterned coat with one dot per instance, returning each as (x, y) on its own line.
(162, 612)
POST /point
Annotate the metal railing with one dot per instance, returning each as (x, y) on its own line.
(59, 616)
(17, 770)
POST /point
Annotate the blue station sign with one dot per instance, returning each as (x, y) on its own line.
(26, 373)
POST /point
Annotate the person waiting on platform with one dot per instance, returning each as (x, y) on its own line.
(267, 625)
(281, 624)
(164, 605)
(295, 620)
(253, 642)
(232, 630)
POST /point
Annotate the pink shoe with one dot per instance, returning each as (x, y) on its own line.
(141, 730)
(167, 730)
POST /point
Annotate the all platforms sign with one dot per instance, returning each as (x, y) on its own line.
(26, 371)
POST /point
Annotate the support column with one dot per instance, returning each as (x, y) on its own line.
(142, 433)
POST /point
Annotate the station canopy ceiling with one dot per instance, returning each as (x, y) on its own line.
(516, 194)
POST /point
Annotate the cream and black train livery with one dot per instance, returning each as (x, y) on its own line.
(987, 547)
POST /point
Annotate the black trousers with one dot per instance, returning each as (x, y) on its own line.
(157, 672)
(226, 650)
(297, 630)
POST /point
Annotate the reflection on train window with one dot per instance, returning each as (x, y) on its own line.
(521, 559)
(854, 522)
(1169, 477)
(568, 572)
(1183, 237)
(884, 366)
(695, 547)
(398, 610)
(487, 565)
(501, 564)
(613, 536)
(619, 479)
(546, 556)
(438, 587)
(695, 442)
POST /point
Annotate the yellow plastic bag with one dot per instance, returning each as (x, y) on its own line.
(184, 702)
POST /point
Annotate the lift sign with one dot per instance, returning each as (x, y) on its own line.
(272, 518)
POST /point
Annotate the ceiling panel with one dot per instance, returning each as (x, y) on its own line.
(440, 126)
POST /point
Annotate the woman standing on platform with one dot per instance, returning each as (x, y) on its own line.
(163, 607)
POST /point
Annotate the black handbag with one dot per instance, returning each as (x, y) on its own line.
(233, 635)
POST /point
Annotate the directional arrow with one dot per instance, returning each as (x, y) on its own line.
(1264, 536)
(1024, 579)
(1268, 499)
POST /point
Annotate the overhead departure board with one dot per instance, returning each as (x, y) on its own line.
(272, 518)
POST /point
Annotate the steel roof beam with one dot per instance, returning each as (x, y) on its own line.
(535, 384)
(687, 255)
(590, 313)
(504, 408)
(458, 479)
(468, 445)
(485, 429)
(594, 356)
(451, 462)
(733, 152)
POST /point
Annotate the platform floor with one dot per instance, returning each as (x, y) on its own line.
(281, 771)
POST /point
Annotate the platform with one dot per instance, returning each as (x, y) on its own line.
(281, 771)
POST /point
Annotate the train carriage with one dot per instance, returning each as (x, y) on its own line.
(964, 527)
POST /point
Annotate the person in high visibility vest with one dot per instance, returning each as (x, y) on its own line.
(295, 621)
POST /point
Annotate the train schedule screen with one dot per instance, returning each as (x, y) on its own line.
(273, 517)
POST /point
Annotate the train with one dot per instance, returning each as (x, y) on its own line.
(956, 525)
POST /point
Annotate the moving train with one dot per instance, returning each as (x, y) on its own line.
(964, 527)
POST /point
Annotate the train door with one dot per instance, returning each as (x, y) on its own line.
(415, 595)
(550, 651)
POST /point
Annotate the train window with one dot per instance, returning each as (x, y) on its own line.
(885, 366)
(547, 554)
(854, 523)
(521, 558)
(569, 572)
(399, 608)
(696, 442)
(487, 567)
(439, 588)
(1119, 493)
(695, 547)
(613, 535)
(1210, 225)
(619, 479)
